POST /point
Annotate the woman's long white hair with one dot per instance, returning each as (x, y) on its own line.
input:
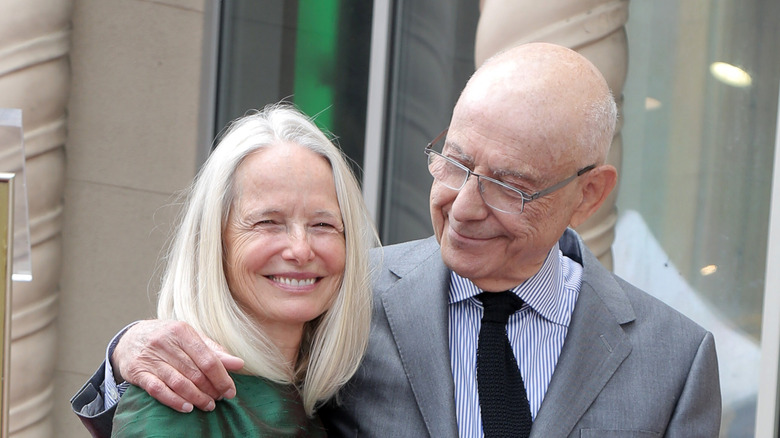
(194, 286)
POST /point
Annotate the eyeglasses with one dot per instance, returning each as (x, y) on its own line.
(498, 195)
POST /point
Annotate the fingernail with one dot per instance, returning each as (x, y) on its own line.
(210, 406)
(186, 407)
(230, 393)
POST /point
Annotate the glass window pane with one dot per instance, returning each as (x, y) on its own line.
(699, 132)
(433, 58)
(313, 53)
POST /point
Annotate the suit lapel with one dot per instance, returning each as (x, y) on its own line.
(417, 311)
(595, 347)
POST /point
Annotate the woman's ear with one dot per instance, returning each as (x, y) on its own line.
(596, 185)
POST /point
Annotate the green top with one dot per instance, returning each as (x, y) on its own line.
(260, 409)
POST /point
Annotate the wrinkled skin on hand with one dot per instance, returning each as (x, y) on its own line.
(175, 364)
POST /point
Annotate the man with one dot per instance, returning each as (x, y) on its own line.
(521, 162)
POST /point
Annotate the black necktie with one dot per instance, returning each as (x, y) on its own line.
(502, 397)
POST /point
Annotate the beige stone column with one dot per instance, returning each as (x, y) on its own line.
(34, 76)
(594, 28)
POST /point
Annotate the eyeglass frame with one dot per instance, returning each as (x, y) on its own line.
(524, 196)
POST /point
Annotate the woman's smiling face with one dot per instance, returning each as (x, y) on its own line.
(284, 239)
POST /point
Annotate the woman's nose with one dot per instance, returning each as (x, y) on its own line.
(299, 248)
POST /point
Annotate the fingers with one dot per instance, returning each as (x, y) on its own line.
(180, 386)
(162, 393)
(230, 362)
(173, 363)
(211, 376)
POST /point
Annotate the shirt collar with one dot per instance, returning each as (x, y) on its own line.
(543, 292)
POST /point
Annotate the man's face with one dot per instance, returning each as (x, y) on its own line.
(493, 249)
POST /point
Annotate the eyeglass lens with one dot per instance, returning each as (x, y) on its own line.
(455, 177)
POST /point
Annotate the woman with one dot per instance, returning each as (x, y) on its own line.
(270, 261)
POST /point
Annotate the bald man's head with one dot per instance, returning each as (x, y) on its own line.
(534, 123)
(547, 88)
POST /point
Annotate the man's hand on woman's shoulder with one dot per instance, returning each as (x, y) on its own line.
(175, 364)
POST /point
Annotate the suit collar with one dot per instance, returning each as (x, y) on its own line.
(407, 257)
(416, 307)
(597, 278)
(595, 345)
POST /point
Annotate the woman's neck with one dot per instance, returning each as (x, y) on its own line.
(288, 340)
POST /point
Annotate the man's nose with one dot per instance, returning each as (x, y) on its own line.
(468, 204)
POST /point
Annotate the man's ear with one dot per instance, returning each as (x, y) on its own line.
(596, 186)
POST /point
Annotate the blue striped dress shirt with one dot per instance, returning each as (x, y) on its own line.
(536, 333)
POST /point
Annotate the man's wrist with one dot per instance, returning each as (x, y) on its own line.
(110, 366)
(113, 383)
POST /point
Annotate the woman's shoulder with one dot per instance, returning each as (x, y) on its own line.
(138, 414)
(260, 408)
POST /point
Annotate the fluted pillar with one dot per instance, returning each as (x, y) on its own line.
(594, 28)
(34, 76)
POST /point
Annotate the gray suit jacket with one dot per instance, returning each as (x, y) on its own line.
(630, 366)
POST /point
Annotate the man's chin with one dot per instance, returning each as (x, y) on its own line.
(462, 262)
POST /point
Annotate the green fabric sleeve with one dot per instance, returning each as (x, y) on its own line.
(260, 409)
